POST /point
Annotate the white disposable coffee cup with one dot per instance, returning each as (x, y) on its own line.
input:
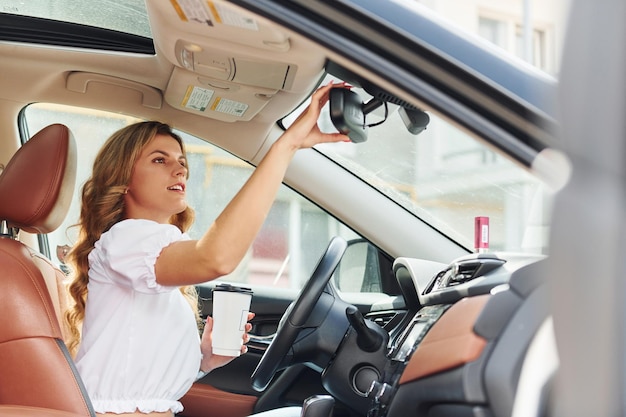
(231, 305)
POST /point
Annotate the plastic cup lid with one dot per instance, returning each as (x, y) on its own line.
(232, 288)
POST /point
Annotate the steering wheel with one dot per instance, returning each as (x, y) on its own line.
(297, 314)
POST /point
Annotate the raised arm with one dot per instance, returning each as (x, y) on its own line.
(223, 246)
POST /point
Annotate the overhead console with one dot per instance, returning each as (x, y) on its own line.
(225, 67)
(228, 62)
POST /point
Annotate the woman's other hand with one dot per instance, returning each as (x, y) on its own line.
(211, 361)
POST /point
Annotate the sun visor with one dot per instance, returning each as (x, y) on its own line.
(219, 19)
(250, 50)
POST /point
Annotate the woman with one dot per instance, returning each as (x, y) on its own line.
(138, 346)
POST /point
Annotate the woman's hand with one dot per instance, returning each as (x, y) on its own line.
(211, 361)
(304, 132)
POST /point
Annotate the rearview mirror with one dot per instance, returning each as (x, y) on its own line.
(346, 113)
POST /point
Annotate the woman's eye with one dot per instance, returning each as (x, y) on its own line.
(159, 160)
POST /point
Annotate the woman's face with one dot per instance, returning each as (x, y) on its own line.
(157, 186)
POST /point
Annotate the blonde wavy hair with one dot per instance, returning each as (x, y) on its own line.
(102, 206)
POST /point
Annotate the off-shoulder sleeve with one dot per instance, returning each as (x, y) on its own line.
(127, 253)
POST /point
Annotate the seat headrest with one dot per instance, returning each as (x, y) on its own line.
(38, 182)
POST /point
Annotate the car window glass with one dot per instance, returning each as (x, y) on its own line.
(290, 242)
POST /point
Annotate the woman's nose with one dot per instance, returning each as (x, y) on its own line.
(181, 170)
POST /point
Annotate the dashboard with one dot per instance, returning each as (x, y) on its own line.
(460, 348)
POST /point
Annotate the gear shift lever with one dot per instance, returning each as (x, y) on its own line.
(318, 406)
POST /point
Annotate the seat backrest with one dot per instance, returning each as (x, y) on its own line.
(36, 369)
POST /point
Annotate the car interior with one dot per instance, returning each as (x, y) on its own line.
(397, 312)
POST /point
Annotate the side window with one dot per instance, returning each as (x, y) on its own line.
(290, 242)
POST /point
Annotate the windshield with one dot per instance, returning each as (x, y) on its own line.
(447, 178)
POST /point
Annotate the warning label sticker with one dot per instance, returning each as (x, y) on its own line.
(193, 11)
(232, 18)
(234, 108)
(197, 98)
(208, 13)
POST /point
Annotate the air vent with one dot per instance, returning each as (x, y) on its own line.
(464, 271)
(382, 319)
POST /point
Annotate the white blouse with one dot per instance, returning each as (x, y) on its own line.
(140, 347)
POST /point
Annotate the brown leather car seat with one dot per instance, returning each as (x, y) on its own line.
(36, 370)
